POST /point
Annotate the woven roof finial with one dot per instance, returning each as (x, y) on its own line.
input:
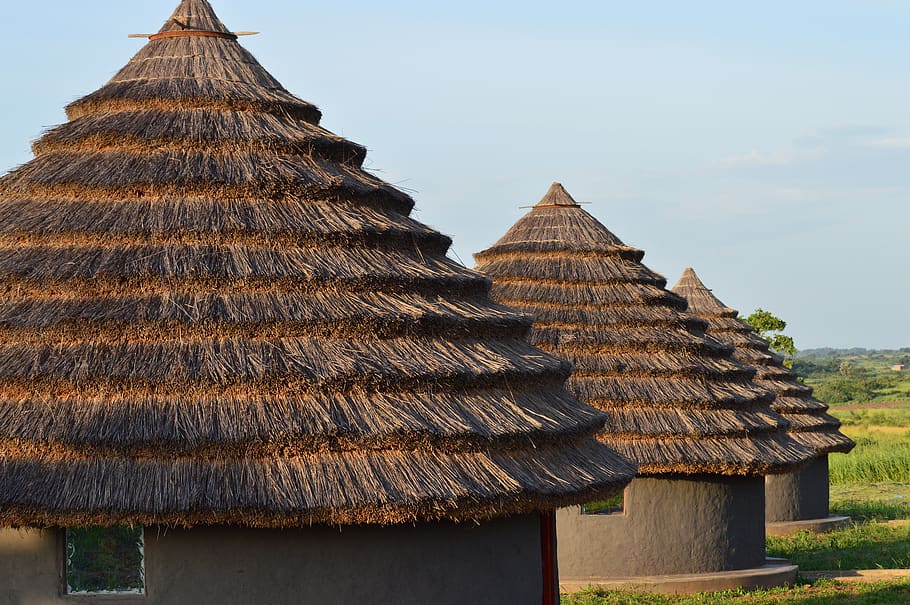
(699, 296)
(193, 18)
(194, 14)
(557, 196)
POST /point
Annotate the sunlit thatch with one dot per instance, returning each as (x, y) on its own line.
(676, 401)
(810, 424)
(210, 313)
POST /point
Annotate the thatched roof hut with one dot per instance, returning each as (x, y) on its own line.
(212, 315)
(676, 401)
(810, 424)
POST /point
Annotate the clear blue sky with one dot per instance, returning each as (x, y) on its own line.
(767, 145)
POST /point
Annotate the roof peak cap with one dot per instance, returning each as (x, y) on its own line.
(689, 275)
(194, 15)
(194, 18)
(700, 297)
(557, 196)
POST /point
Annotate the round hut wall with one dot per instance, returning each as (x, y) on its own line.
(804, 494)
(677, 403)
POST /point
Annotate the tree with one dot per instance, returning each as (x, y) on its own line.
(771, 327)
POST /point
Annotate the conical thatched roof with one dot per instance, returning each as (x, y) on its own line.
(676, 401)
(212, 314)
(809, 422)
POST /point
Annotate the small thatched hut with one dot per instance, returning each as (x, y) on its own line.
(795, 499)
(215, 325)
(702, 433)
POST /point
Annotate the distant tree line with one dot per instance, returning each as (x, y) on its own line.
(856, 378)
(838, 375)
(855, 351)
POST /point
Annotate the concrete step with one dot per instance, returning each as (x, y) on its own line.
(857, 575)
(818, 526)
(775, 572)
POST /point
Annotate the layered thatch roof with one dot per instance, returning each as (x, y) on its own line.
(810, 424)
(211, 313)
(676, 400)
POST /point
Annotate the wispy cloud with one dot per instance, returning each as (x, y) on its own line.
(829, 146)
(890, 143)
(782, 157)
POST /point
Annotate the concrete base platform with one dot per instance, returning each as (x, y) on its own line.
(818, 526)
(858, 575)
(775, 572)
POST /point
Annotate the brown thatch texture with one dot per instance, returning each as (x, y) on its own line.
(210, 313)
(676, 400)
(810, 424)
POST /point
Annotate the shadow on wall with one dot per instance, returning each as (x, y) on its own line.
(29, 565)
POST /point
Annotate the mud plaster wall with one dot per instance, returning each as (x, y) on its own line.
(495, 562)
(670, 526)
(798, 496)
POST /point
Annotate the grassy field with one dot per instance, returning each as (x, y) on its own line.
(871, 501)
(867, 545)
(882, 453)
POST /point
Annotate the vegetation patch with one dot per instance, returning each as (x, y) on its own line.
(822, 592)
(855, 376)
(871, 501)
(879, 457)
(861, 546)
(882, 453)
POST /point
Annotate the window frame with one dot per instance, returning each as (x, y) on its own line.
(112, 597)
(619, 510)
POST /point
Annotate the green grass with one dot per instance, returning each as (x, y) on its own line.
(882, 453)
(877, 458)
(871, 501)
(824, 592)
(861, 546)
(895, 415)
(891, 493)
(872, 511)
(610, 505)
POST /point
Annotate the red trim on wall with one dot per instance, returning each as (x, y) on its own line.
(548, 557)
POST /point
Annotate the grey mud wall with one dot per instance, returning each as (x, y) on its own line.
(495, 562)
(798, 496)
(676, 525)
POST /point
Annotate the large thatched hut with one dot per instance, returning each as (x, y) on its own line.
(216, 326)
(702, 433)
(792, 500)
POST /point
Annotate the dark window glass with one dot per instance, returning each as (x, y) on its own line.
(105, 560)
(610, 506)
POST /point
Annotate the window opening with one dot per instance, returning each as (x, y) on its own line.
(611, 506)
(105, 560)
